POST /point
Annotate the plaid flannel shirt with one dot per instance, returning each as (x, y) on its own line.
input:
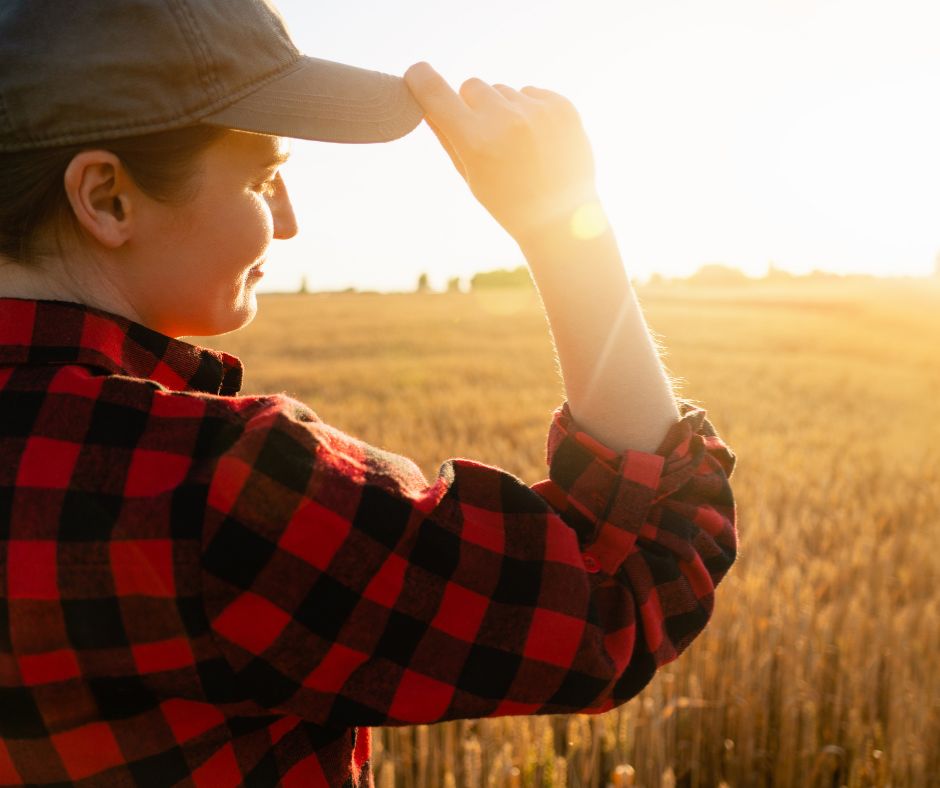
(199, 588)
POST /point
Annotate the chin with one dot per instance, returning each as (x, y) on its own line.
(224, 321)
(243, 313)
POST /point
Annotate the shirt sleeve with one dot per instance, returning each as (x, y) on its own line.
(343, 587)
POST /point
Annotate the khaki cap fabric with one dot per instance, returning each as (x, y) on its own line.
(74, 71)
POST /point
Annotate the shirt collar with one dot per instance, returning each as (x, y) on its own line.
(60, 332)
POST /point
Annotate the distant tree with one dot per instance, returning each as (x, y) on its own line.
(718, 274)
(303, 289)
(818, 273)
(453, 284)
(775, 274)
(502, 278)
(656, 279)
(423, 286)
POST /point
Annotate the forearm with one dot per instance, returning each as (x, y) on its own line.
(526, 158)
(616, 386)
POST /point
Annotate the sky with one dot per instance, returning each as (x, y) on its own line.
(799, 133)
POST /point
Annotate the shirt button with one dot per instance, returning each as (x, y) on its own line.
(590, 563)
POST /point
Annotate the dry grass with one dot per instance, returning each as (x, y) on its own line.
(822, 664)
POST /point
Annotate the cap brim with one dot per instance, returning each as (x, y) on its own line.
(326, 101)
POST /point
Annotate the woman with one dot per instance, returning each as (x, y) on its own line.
(201, 588)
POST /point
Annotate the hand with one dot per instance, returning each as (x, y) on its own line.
(524, 154)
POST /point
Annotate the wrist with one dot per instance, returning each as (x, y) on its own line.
(577, 220)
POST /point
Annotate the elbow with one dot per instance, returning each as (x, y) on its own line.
(679, 577)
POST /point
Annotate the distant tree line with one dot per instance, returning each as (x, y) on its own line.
(485, 280)
(710, 274)
(500, 278)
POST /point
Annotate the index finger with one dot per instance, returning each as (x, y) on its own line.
(441, 104)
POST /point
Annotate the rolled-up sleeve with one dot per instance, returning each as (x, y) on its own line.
(343, 587)
(660, 526)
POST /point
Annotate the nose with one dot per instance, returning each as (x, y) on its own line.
(282, 211)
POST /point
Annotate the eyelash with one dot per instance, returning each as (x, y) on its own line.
(266, 187)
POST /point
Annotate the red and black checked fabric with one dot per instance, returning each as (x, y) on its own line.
(198, 588)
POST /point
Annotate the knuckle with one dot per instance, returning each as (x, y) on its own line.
(557, 112)
(472, 85)
(550, 98)
(567, 108)
(516, 120)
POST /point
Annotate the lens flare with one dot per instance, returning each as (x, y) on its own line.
(588, 221)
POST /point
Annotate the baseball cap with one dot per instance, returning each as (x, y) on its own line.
(74, 72)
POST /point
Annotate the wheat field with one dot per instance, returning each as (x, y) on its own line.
(821, 666)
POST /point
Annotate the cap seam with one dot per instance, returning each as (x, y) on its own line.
(288, 107)
(297, 97)
(370, 117)
(190, 30)
(5, 123)
(278, 22)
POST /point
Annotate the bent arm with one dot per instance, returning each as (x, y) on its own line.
(526, 158)
(616, 386)
(343, 588)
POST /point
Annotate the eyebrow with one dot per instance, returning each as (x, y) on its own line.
(276, 160)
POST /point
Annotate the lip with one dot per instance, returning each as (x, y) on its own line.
(256, 270)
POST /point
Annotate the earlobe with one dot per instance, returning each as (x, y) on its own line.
(96, 185)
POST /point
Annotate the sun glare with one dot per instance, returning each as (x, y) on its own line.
(802, 134)
(588, 221)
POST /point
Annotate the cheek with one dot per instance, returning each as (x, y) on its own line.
(247, 233)
(230, 232)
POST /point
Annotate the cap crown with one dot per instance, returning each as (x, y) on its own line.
(75, 71)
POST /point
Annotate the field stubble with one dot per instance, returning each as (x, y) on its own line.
(821, 666)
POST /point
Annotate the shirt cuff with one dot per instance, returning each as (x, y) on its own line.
(607, 496)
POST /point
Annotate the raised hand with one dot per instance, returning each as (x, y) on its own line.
(524, 154)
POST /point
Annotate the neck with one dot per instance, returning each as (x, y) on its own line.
(49, 278)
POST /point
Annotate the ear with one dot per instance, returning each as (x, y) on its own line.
(102, 195)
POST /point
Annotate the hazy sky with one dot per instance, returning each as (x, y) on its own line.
(801, 132)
